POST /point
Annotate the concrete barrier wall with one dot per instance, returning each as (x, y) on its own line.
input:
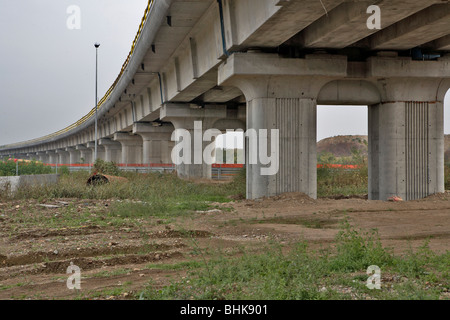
(14, 183)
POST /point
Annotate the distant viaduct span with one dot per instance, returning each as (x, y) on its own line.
(266, 64)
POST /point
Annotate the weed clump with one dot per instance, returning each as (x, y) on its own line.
(104, 167)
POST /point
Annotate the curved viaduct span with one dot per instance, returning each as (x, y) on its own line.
(266, 64)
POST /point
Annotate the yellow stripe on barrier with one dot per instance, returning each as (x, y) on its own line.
(105, 97)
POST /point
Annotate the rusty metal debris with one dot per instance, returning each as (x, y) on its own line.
(99, 179)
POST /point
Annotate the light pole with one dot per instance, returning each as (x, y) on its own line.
(96, 45)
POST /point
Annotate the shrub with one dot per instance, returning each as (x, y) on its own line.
(103, 167)
(8, 168)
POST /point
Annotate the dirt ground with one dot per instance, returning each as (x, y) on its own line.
(118, 261)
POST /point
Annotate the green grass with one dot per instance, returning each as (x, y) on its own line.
(154, 195)
(6, 287)
(305, 274)
(317, 223)
(152, 186)
(107, 274)
(67, 217)
(105, 293)
(332, 182)
(190, 265)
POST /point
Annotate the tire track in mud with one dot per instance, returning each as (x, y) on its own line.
(86, 264)
(38, 257)
(42, 233)
(47, 262)
(181, 234)
(90, 230)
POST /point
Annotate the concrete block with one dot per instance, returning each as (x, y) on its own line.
(12, 184)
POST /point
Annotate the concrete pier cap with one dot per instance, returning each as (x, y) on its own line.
(64, 156)
(281, 96)
(100, 150)
(184, 117)
(113, 150)
(53, 157)
(131, 147)
(156, 139)
(85, 153)
(349, 92)
(74, 155)
(270, 76)
(236, 119)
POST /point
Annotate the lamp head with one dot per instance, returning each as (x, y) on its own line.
(97, 45)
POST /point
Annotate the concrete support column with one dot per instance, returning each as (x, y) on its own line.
(166, 151)
(281, 99)
(131, 147)
(85, 153)
(296, 121)
(156, 147)
(113, 150)
(53, 158)
(42, 157)
(183, 117)
(64, 156)
(100, 151)
(406, 140)
(74, 155)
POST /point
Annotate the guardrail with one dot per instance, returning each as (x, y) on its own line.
(225, 171)
(138, 168)
(219, 171)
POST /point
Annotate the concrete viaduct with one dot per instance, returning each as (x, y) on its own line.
(267, 64)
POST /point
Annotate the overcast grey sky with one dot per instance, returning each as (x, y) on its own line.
(47, 71)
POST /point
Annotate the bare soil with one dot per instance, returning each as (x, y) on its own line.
(118, 261)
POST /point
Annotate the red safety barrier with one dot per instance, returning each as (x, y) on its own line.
(152, 165)
(87, 165)
(338, 166)
(84, 165)
(167, 165)
(224, 166)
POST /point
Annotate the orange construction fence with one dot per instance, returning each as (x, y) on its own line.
(223, 166)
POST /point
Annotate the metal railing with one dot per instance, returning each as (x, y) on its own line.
(218, 171)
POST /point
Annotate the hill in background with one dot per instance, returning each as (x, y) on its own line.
(345, 146)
